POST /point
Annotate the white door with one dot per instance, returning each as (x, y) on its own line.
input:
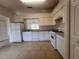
(76, 51)
(15, 32)
(18, 37)
(12, 33)
(74, 38)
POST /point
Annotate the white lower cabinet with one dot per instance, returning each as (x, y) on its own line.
(27, 36)
(46, 35)
(60, 44)
(36, 36)
(41, 36)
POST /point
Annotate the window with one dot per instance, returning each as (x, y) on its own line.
(34, 26)
(32, 23)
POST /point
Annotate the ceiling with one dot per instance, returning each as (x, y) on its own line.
(17, 5)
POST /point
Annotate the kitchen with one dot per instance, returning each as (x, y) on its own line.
(35, 25)
(39, 27)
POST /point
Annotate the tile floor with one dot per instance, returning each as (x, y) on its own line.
(29, 50)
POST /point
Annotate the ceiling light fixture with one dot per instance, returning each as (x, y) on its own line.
(31, 1)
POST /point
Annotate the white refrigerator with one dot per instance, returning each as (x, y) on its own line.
(15, 32)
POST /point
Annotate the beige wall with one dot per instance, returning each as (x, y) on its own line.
(3, 27)
(58, 7)
(6, 12)
(20, 17)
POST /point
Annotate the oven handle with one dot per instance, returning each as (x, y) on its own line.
(52, 37)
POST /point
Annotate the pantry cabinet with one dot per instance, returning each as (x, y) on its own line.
(74, 28)
(76, 51)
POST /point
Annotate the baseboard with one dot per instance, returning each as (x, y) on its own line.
(39, 41)
(59, 53)
(4, 43)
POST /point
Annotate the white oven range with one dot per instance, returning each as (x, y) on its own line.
(53, 39)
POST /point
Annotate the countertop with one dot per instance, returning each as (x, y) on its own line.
(38, 30)
(60, 34)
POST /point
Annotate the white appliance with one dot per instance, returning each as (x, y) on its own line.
(53, 39)
(15, 32)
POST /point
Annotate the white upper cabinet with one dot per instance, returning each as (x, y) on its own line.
(45, 21)
(59, 14)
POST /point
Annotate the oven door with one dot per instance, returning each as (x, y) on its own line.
(53, 40)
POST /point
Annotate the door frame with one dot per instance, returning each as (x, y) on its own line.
(67, 30)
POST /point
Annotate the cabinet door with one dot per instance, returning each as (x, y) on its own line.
(75, 1)
(46, 35)
(45, 21)
(35, 36)
(60, 45)
(27, 36)
(76, 51)
(74, 34)
(41, 36)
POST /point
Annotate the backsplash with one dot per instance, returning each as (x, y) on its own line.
(61, 27)
(57, 27)
(48, 27)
